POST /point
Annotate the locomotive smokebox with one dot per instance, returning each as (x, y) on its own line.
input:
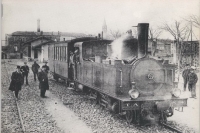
(143, 30)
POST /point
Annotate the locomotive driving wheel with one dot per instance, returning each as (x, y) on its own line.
(131, 116)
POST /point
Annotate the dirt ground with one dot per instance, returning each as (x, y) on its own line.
(190, 114)
(65, 118)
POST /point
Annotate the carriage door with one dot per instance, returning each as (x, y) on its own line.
(35, 54)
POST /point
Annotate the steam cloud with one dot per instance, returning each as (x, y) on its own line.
(117, 46)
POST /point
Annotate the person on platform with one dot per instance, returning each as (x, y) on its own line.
(16, 81)
(192, 80)
(44, 83)
(25, 71)
(185, 76)
(35, 68)
(47, 67)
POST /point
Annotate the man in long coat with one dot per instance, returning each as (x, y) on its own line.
(16, 81)
(192, 80)
(35, 68)
(25, 71)
(185, 76)
(44, 83)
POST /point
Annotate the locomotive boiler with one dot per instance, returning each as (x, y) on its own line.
(135, 85)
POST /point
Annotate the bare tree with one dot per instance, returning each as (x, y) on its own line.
(179, 31)
(116, 34)
(153, 36)
(195, 20)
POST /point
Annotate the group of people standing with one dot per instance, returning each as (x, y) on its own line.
(190, 78)
(21, 75)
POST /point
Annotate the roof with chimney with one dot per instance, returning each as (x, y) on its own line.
(70, 34)
(23, 33)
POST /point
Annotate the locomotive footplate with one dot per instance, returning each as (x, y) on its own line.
(148, 104)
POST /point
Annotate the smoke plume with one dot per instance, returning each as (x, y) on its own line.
(117, 46)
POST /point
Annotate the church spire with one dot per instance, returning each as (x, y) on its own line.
(104, 29)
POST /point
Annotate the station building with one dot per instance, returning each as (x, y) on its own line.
(25, 44)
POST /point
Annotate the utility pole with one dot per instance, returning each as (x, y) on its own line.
(191, 45)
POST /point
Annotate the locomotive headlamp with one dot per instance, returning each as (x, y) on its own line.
(134, 93)
(176, 92)
(80, 86)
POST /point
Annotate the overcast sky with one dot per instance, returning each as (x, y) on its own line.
(87, 16)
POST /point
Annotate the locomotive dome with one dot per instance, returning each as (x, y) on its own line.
(148, 74)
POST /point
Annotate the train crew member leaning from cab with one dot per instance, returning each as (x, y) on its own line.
(192, 80)
(16, 81)
(47, 67)
(44, 83)
(25, 71)
(77, 56)
(185, 76)
(35, 68)
(71, 65)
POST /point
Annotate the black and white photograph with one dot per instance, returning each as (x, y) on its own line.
(100, 66)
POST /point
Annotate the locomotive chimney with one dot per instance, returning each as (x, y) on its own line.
(143, 30)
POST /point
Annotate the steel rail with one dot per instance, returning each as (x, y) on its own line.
(18, 109)
(171, 128)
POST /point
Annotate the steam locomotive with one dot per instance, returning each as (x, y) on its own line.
(136, 85)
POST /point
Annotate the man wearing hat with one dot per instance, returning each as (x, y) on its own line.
(25, 71)
(192, 80)
(185, 75)
(43, 79)
(46, 67)
(16, 81)
(35, 68)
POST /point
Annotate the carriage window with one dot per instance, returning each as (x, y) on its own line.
(66, 54)
(63, 55)
(60, 53)
(57, 54)
(63, 48)
(54, 53)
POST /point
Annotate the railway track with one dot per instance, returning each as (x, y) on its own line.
(174, 129)
(16, 102)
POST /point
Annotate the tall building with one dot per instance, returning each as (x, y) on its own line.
(104, 30)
